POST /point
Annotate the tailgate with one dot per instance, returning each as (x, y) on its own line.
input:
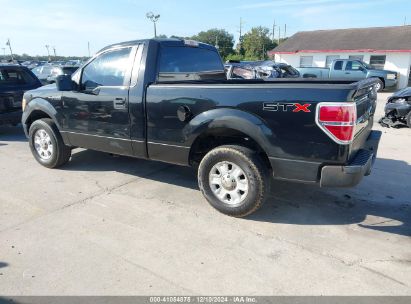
(365, 97)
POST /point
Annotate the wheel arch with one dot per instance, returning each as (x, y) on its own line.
(227, 126)
(381, 78)
(36, 109)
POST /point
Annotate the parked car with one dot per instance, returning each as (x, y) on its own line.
(48, 73)
(259, 70)
(398, 109)
(14, 81)
(169, 100)
(352, 70)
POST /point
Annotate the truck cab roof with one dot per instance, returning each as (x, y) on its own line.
(163, 42)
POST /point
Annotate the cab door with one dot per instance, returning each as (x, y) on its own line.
(354, 70)
(96, 116)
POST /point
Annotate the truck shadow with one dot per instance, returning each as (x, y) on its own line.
(379, 203)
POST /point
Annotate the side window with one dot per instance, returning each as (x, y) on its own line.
(353, 66)
(108, 69)
(306, 61)
(338, 65)
(11, 76)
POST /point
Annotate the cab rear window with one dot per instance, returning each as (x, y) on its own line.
(189, 60)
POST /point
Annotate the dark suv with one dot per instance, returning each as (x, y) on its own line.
(14, 81)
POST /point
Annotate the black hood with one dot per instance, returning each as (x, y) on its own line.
(406, 92)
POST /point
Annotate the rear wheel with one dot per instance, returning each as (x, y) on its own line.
(47, 145)
(234, 180)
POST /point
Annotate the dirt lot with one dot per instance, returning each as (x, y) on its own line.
(106, 225)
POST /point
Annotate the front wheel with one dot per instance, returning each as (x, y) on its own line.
(379, 86)
(234, 180)
(46, 144)
(408, 119)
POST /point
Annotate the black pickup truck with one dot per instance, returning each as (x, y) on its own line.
(169, 100)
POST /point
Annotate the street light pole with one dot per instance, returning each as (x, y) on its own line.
(153, 18)
(11, 52)
(48, 51)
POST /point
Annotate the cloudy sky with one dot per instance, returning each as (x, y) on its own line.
(69, 25)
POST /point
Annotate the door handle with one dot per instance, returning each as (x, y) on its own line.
(119, 103)
(347, 73)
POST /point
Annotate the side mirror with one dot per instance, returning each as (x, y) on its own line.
(64, 83)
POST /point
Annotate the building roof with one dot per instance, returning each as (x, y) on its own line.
(372, 39)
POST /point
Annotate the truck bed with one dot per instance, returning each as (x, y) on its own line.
(286, 135)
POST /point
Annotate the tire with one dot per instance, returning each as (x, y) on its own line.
(46, 144)
(235, 199)
(408, 119)
(379, 85)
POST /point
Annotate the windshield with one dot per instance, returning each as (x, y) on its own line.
(366, 65)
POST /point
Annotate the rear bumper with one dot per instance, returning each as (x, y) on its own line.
(10, 117)
(351, 174)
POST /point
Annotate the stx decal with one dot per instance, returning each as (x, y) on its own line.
(286, 107)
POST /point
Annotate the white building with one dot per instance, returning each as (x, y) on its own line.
(386, 48)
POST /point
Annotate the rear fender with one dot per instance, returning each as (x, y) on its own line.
(234, 119)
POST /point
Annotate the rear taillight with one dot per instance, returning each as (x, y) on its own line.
(337, 120)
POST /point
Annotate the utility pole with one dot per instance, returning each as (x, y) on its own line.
(54, 51)
(153, 18)
(11, 52)
(48, 51)
(241, 27)
(240, 32)
(88, 47)
(405, 20)
(263, 51)
(274, 30)
(279, 34)
(285, 30)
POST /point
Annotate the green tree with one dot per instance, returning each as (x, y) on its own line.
(219, 37)
(256, 43)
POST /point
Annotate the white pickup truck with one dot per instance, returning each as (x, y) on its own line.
(348, 69)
